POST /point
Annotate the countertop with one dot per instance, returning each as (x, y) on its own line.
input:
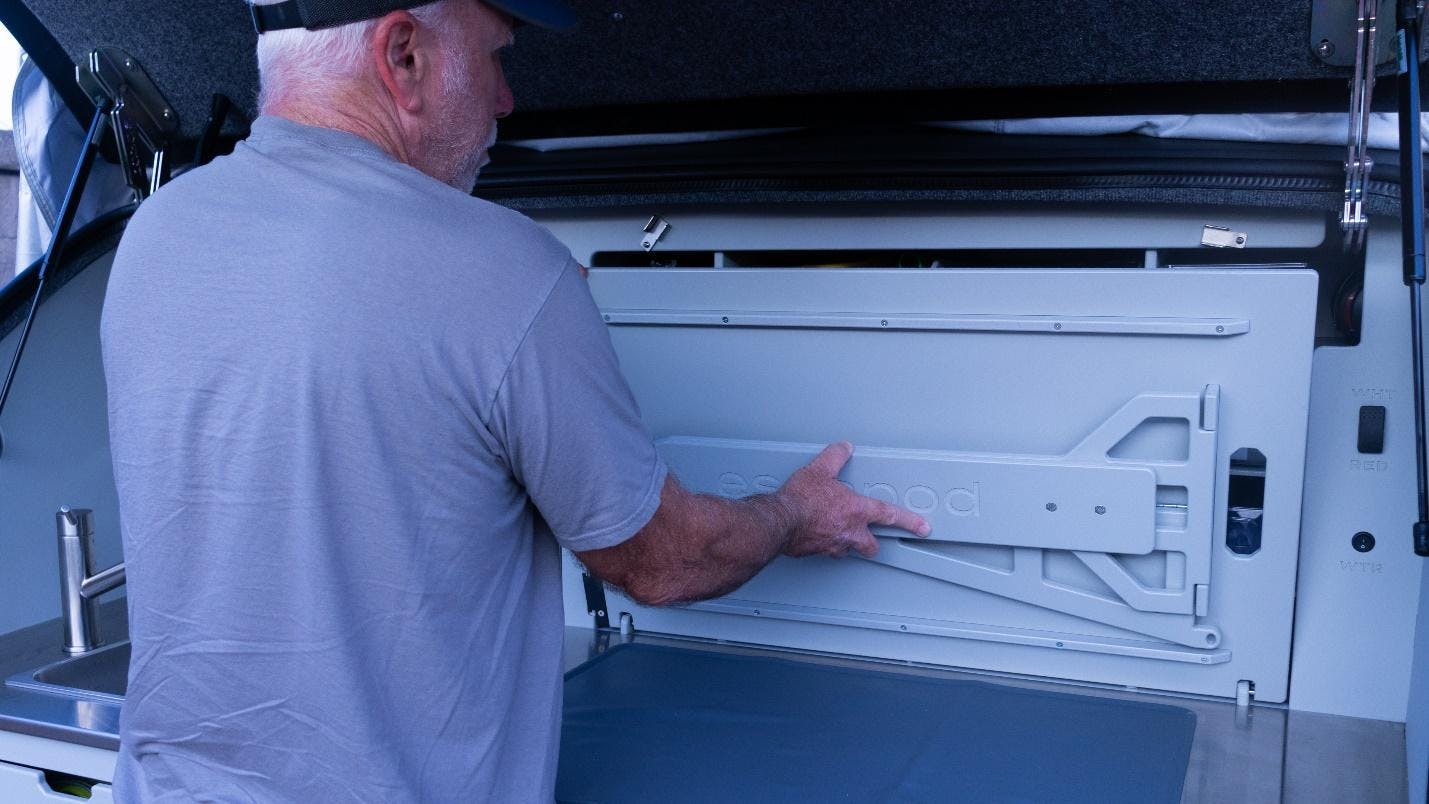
(1264, 753)
(57, 717)
(96, 723)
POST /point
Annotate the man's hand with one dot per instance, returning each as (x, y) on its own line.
(828, 518)
(699, 546)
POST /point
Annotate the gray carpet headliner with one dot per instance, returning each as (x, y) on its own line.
(637, 52)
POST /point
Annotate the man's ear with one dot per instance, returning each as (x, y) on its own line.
(403, 52)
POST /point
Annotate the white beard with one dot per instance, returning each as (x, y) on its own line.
(470, 164)
(452, 147)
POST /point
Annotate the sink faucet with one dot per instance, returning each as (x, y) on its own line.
(79, 583)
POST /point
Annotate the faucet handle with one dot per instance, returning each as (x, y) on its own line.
(75, 523)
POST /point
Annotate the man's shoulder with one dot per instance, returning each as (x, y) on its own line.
(190, 195)
(491, 225)
(374, 214)
(177, 195)
(160, 220)
(505, 246)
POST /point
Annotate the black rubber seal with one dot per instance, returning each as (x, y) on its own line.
(84, 246)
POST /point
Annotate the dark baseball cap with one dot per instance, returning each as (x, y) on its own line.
(316, 14)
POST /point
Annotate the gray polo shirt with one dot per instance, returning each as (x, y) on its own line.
(352, 413)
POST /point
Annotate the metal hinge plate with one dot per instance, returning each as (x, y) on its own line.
(1334, 31)
(595, 600)
(1222, 237)
(143, 121)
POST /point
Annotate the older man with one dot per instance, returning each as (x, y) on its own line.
(354, 410)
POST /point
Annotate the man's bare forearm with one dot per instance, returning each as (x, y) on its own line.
(696, 547)
(737, 539)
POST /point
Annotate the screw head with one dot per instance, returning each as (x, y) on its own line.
(1051, 506)
(617, 16)
(1100, 509)
(725, 319)
(1325, 49)
(1220, 328)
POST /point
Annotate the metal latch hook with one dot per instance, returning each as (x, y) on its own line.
(655, 229)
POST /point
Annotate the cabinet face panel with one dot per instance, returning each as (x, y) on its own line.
(1071, 434)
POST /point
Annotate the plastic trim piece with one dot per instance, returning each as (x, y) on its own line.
(1167, 614)
(1170, 613)
(1084, 325)
(984, 633)
(1073, 502)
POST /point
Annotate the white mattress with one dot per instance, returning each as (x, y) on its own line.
(1318, 128)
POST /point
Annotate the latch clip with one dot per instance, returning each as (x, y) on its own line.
(1222, 237)
(655, 229)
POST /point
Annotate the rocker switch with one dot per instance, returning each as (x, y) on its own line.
(1371, 441)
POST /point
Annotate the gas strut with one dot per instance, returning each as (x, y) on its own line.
(1411, 214)
(128, 104)
(61, 235)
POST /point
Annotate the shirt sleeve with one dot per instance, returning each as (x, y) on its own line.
(571, 428)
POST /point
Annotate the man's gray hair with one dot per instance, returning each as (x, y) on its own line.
(321, 61)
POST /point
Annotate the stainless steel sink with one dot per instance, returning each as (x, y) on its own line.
(101, 674)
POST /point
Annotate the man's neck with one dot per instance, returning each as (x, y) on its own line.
(375, 128)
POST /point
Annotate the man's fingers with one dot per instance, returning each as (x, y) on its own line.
(866, 545)
(882, 513)
(831, 461)
(859, 541)
(878, 512)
